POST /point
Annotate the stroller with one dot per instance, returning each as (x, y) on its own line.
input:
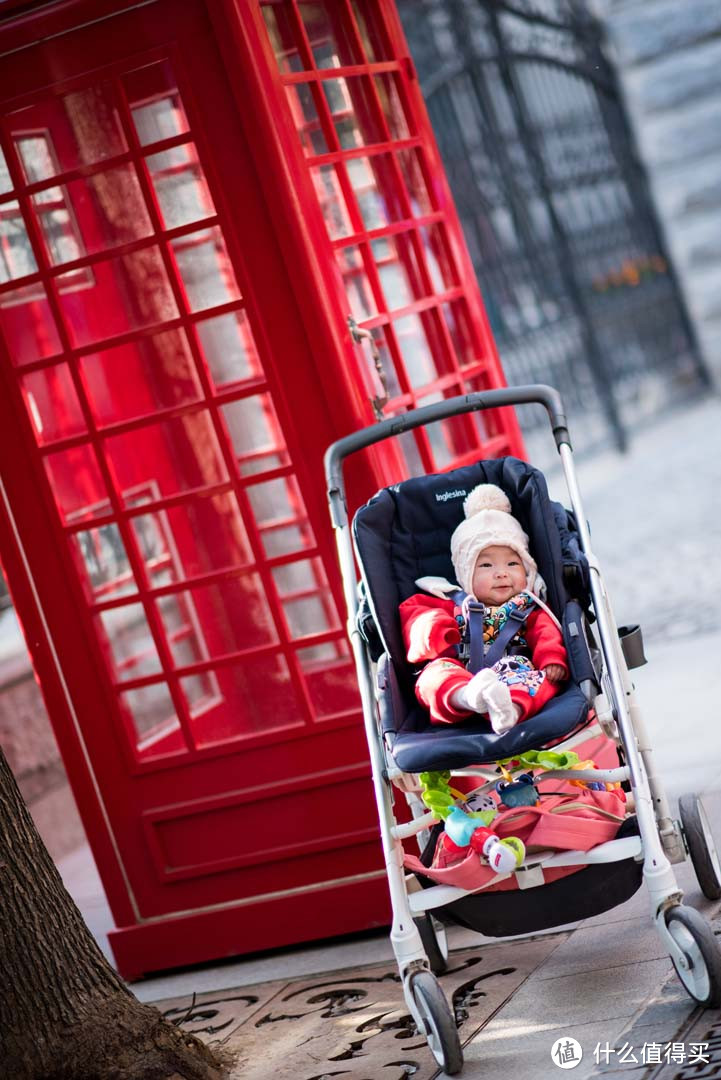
(402, 534)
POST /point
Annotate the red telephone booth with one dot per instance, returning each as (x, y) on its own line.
(194, 198)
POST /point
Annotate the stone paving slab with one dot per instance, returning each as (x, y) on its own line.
(668, 1017)
(592, 947)
(518, 1050)
(353, 1024)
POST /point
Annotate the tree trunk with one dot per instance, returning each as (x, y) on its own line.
(64, 1012)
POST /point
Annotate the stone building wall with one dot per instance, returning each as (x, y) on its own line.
(667, 54)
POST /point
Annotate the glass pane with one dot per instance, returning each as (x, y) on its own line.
(357, 285)
(199, 537)
(328, 33)
(370, 32)
(330, 198)
(411, 454)
(152, 714)
(256, 434)
(132, 380)
(201, 692)
(398, 270)
(415, 182)
(415, 350)
(180, 186)
(233, 615)
(376, 189)
(438, 261)
(353, 112)
(89, 216)
(63, 133)
(6, 183)
(301, 99)
(229, 348)
(28, 325)
(390, 99)
(206, 270)
(77, 484)
(131, 653)
(449, 438)
(257, 695)
(305, 595)
(62, 238)
(281, 516)
(165, 459)
(119, 295)
(154, 100)
(105, 568)
(53, 404)
(457, 321)
(328, 673)
(182, 629)
(284, 35)
(16, 255)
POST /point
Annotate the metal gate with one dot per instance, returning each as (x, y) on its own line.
(554, 207)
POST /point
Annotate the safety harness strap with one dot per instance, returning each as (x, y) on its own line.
(474, 612)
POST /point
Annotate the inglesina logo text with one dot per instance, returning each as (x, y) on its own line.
(444, 496)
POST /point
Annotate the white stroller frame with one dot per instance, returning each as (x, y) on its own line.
(662, 841)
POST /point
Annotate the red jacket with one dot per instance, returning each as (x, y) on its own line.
(430, 631)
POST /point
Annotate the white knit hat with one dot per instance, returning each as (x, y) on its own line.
(488, 521)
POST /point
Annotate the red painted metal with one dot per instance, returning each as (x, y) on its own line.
(192, 220)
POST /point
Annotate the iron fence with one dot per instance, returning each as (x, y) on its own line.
(555, 207)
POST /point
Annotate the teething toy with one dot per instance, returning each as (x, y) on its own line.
(466, 826)
(519, 792)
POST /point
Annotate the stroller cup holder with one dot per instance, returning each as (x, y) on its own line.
(631, 640)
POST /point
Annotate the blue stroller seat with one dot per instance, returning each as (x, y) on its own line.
(403, 533)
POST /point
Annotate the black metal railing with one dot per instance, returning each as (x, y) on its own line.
(555, 207)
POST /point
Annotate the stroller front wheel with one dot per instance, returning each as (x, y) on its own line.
(439, 1025)
(699, 967)
(701, 846)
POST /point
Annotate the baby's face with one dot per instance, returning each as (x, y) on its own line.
(498, 575)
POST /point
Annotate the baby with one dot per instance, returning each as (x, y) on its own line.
(489, 550)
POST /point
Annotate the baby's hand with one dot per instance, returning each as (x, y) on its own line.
(555, 673)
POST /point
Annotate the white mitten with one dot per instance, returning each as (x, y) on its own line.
(502, 713)
(486, 694)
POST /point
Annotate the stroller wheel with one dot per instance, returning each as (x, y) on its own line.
(701, 845)
(699, 967)
(439, 1025)
(435, 942)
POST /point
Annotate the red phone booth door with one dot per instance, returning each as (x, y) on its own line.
(146, 309)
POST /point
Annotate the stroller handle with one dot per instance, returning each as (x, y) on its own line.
(429, 414)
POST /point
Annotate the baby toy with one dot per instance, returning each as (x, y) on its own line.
(519, 792)
(468, 828)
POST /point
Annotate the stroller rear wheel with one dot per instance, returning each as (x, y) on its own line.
(439, 1025)
(435, 942)
(701, 846)
(699, 967)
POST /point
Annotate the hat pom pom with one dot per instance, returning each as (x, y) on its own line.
(486, 497)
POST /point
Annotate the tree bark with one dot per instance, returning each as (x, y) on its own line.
(65, 1014)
